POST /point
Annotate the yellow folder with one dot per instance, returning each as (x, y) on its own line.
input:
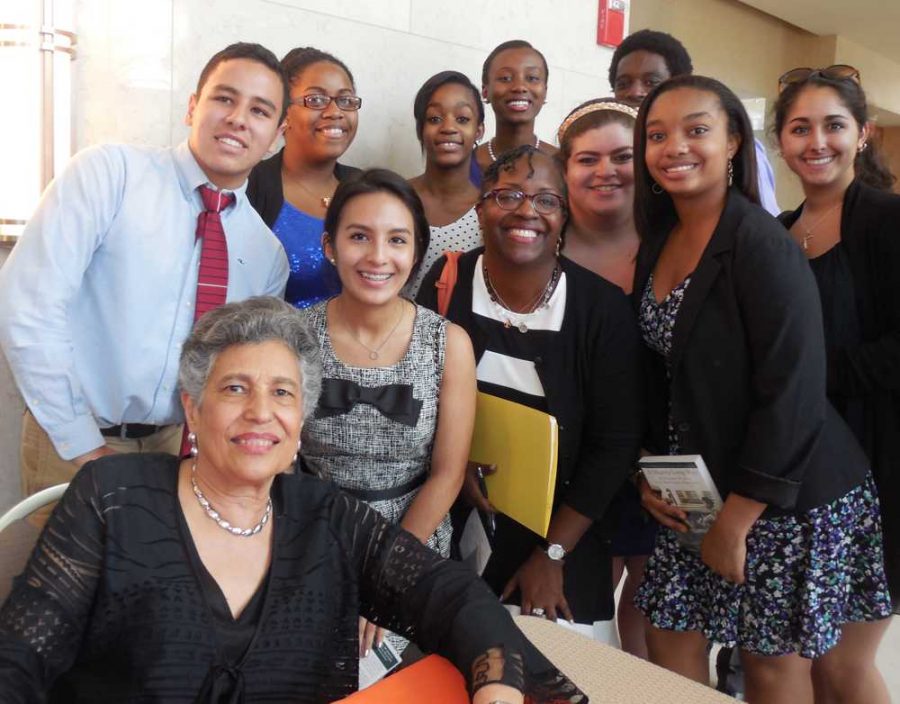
(522, 444)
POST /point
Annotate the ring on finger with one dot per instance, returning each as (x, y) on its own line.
(537, 612)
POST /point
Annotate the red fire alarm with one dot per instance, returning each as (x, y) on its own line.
(611, 22)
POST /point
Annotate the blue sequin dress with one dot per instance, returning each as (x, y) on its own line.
(312, 278)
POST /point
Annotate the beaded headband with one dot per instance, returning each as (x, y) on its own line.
(594, 107)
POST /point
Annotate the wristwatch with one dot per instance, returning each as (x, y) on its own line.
(554, 551)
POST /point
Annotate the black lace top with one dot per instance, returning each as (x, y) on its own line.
(110, 607)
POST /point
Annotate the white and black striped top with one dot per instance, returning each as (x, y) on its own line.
(507, 367)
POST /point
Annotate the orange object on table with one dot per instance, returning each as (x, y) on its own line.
(432, 679)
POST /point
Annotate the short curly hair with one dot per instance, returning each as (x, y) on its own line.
(677, 59)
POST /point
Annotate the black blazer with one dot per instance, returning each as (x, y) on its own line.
(590, 379)
(747, 367)
(870, 232)
(265, 191)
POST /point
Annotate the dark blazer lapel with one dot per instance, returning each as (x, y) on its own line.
(647, 255)
(705, 274)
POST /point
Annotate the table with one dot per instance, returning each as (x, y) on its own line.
(611, 676)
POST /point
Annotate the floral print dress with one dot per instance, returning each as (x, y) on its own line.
(805, 575)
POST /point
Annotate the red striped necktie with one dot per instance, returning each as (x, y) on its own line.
(212, 279)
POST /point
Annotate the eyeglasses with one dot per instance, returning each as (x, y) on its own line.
(837, 72)
(511, 199)
(320, 101)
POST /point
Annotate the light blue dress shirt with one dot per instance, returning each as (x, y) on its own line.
(98, 294)
(765, 177)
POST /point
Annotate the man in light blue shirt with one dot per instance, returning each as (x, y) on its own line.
(98, 294)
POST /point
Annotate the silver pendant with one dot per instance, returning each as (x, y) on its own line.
(373, 355)
(522, 327)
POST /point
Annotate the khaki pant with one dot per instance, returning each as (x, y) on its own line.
(42, 467)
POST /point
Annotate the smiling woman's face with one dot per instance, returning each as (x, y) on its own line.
(249, 417)
(321, 134)
(523, 236)
(600, 170)
(688, 143)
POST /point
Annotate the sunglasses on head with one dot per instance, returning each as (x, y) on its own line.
(837, 72)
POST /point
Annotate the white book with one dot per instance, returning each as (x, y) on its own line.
(685, 482)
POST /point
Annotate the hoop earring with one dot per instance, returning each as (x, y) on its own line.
(192, 439)
(656, 188)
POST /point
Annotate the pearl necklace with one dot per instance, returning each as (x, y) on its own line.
(221, 522)
(537, 142)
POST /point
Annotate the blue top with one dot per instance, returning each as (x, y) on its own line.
(312, 278)
(98, 293)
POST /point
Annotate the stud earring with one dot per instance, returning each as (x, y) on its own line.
(730, 172)
(192, 439)
(862, 148)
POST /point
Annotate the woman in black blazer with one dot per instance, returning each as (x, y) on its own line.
(735, 370)
(849, 224)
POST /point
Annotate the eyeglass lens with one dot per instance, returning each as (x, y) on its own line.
(543, 203)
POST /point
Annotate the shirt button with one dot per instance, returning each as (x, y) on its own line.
(684, 426)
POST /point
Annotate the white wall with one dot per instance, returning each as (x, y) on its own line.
(139, 61)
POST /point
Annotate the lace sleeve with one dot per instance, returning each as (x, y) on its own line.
(445, 608)
(43, 619)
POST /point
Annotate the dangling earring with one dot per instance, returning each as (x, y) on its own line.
(297, 453)
(559, 246)
(730, 173)
(656, 188)
(192, 439)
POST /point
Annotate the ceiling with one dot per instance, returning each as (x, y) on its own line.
(871, 23)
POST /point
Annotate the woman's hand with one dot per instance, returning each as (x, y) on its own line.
(369, 635)
(472, 486)
(664, 512)
(540, 584)
(724, 549)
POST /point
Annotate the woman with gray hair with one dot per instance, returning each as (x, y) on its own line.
(221, 578)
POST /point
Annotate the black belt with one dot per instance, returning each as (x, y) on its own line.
(394, 492)
(131, 431)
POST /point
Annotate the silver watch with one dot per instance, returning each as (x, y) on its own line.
(555, 551)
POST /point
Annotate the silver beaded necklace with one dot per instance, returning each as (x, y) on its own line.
(221, 522)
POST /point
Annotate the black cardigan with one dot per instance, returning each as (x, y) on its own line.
(870, 232)
(111, 609)
(591, 381)
(747, 364)
(265, 191)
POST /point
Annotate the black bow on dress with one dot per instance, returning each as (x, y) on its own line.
(394, 401)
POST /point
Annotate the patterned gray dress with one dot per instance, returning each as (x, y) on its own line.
(362, 450)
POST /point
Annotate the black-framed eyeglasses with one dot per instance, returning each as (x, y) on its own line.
(510, 199)
(836, 72)
(320, 101)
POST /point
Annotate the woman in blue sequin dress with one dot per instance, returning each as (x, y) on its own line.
(291, 191)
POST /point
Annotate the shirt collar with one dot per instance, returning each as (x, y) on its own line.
(191, 176)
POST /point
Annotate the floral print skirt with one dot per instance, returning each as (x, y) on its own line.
(805, 576)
